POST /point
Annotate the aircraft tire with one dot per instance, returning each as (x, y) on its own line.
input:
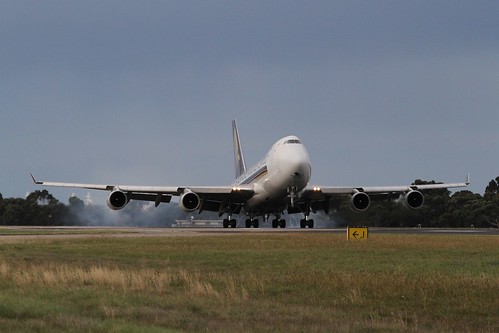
(256, 223)
(303, 223)
(233, 223)
(274, 223)
(225, 223)
(311, 224)
(282, 224)
(248, 223)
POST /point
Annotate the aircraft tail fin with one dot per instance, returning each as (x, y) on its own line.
(238, 152)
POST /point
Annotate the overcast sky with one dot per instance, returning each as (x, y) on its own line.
(143, 92)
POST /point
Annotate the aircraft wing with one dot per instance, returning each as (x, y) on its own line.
(385, 189)
(345, 190)
(319, 197)
(212, 196)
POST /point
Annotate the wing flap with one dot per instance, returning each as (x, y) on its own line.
(156, 197)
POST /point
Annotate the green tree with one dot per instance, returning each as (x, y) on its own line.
(465, 209)
(1, 208)
(43, 209)
(491, 196)
(13, 212)
(492, 189)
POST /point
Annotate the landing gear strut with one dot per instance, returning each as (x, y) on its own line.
(292, 196)
(306, 222)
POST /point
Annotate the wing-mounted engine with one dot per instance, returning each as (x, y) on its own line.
(360, 202)
(189, 201)
(414, 199)
(117, 200)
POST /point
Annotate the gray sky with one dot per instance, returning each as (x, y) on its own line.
(143, 92)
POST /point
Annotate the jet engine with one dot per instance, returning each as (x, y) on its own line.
(117, 200)
(360, 202)
(189, 201)
(413, 199)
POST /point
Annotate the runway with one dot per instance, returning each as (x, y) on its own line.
(9, 233)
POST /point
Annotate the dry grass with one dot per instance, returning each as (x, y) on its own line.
(119, 279)
(297, 282)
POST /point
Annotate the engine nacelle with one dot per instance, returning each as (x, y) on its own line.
(189, 201)
(360, 202)
(414, 199)
(117, 200)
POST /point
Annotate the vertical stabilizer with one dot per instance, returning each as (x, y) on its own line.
(238, 152)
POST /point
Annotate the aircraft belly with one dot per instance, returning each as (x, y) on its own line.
(265, 201)
(271, 195)
(265, 206)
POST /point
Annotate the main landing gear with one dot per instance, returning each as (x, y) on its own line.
(281, 223)
(229, 222)
(306, 222)
(252, 222)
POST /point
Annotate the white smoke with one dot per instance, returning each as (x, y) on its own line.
(135, 214)
(145, 214)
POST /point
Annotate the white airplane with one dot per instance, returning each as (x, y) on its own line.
(277, 184)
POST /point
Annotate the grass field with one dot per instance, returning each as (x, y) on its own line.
(293, 282)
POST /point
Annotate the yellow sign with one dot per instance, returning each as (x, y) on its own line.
(357, 232)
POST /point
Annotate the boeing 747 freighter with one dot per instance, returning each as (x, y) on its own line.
(276, 185)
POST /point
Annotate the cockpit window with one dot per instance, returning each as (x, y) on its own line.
(292, 141)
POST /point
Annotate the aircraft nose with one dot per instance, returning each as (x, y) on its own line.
(303, 170)
(298, 167)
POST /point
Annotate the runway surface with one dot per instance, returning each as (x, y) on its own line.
(16, 233)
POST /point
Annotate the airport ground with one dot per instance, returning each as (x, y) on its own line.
(223, 280)
(20, 232)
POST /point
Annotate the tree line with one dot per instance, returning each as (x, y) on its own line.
(461, 209)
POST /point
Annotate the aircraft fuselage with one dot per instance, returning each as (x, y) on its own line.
(285, 171)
